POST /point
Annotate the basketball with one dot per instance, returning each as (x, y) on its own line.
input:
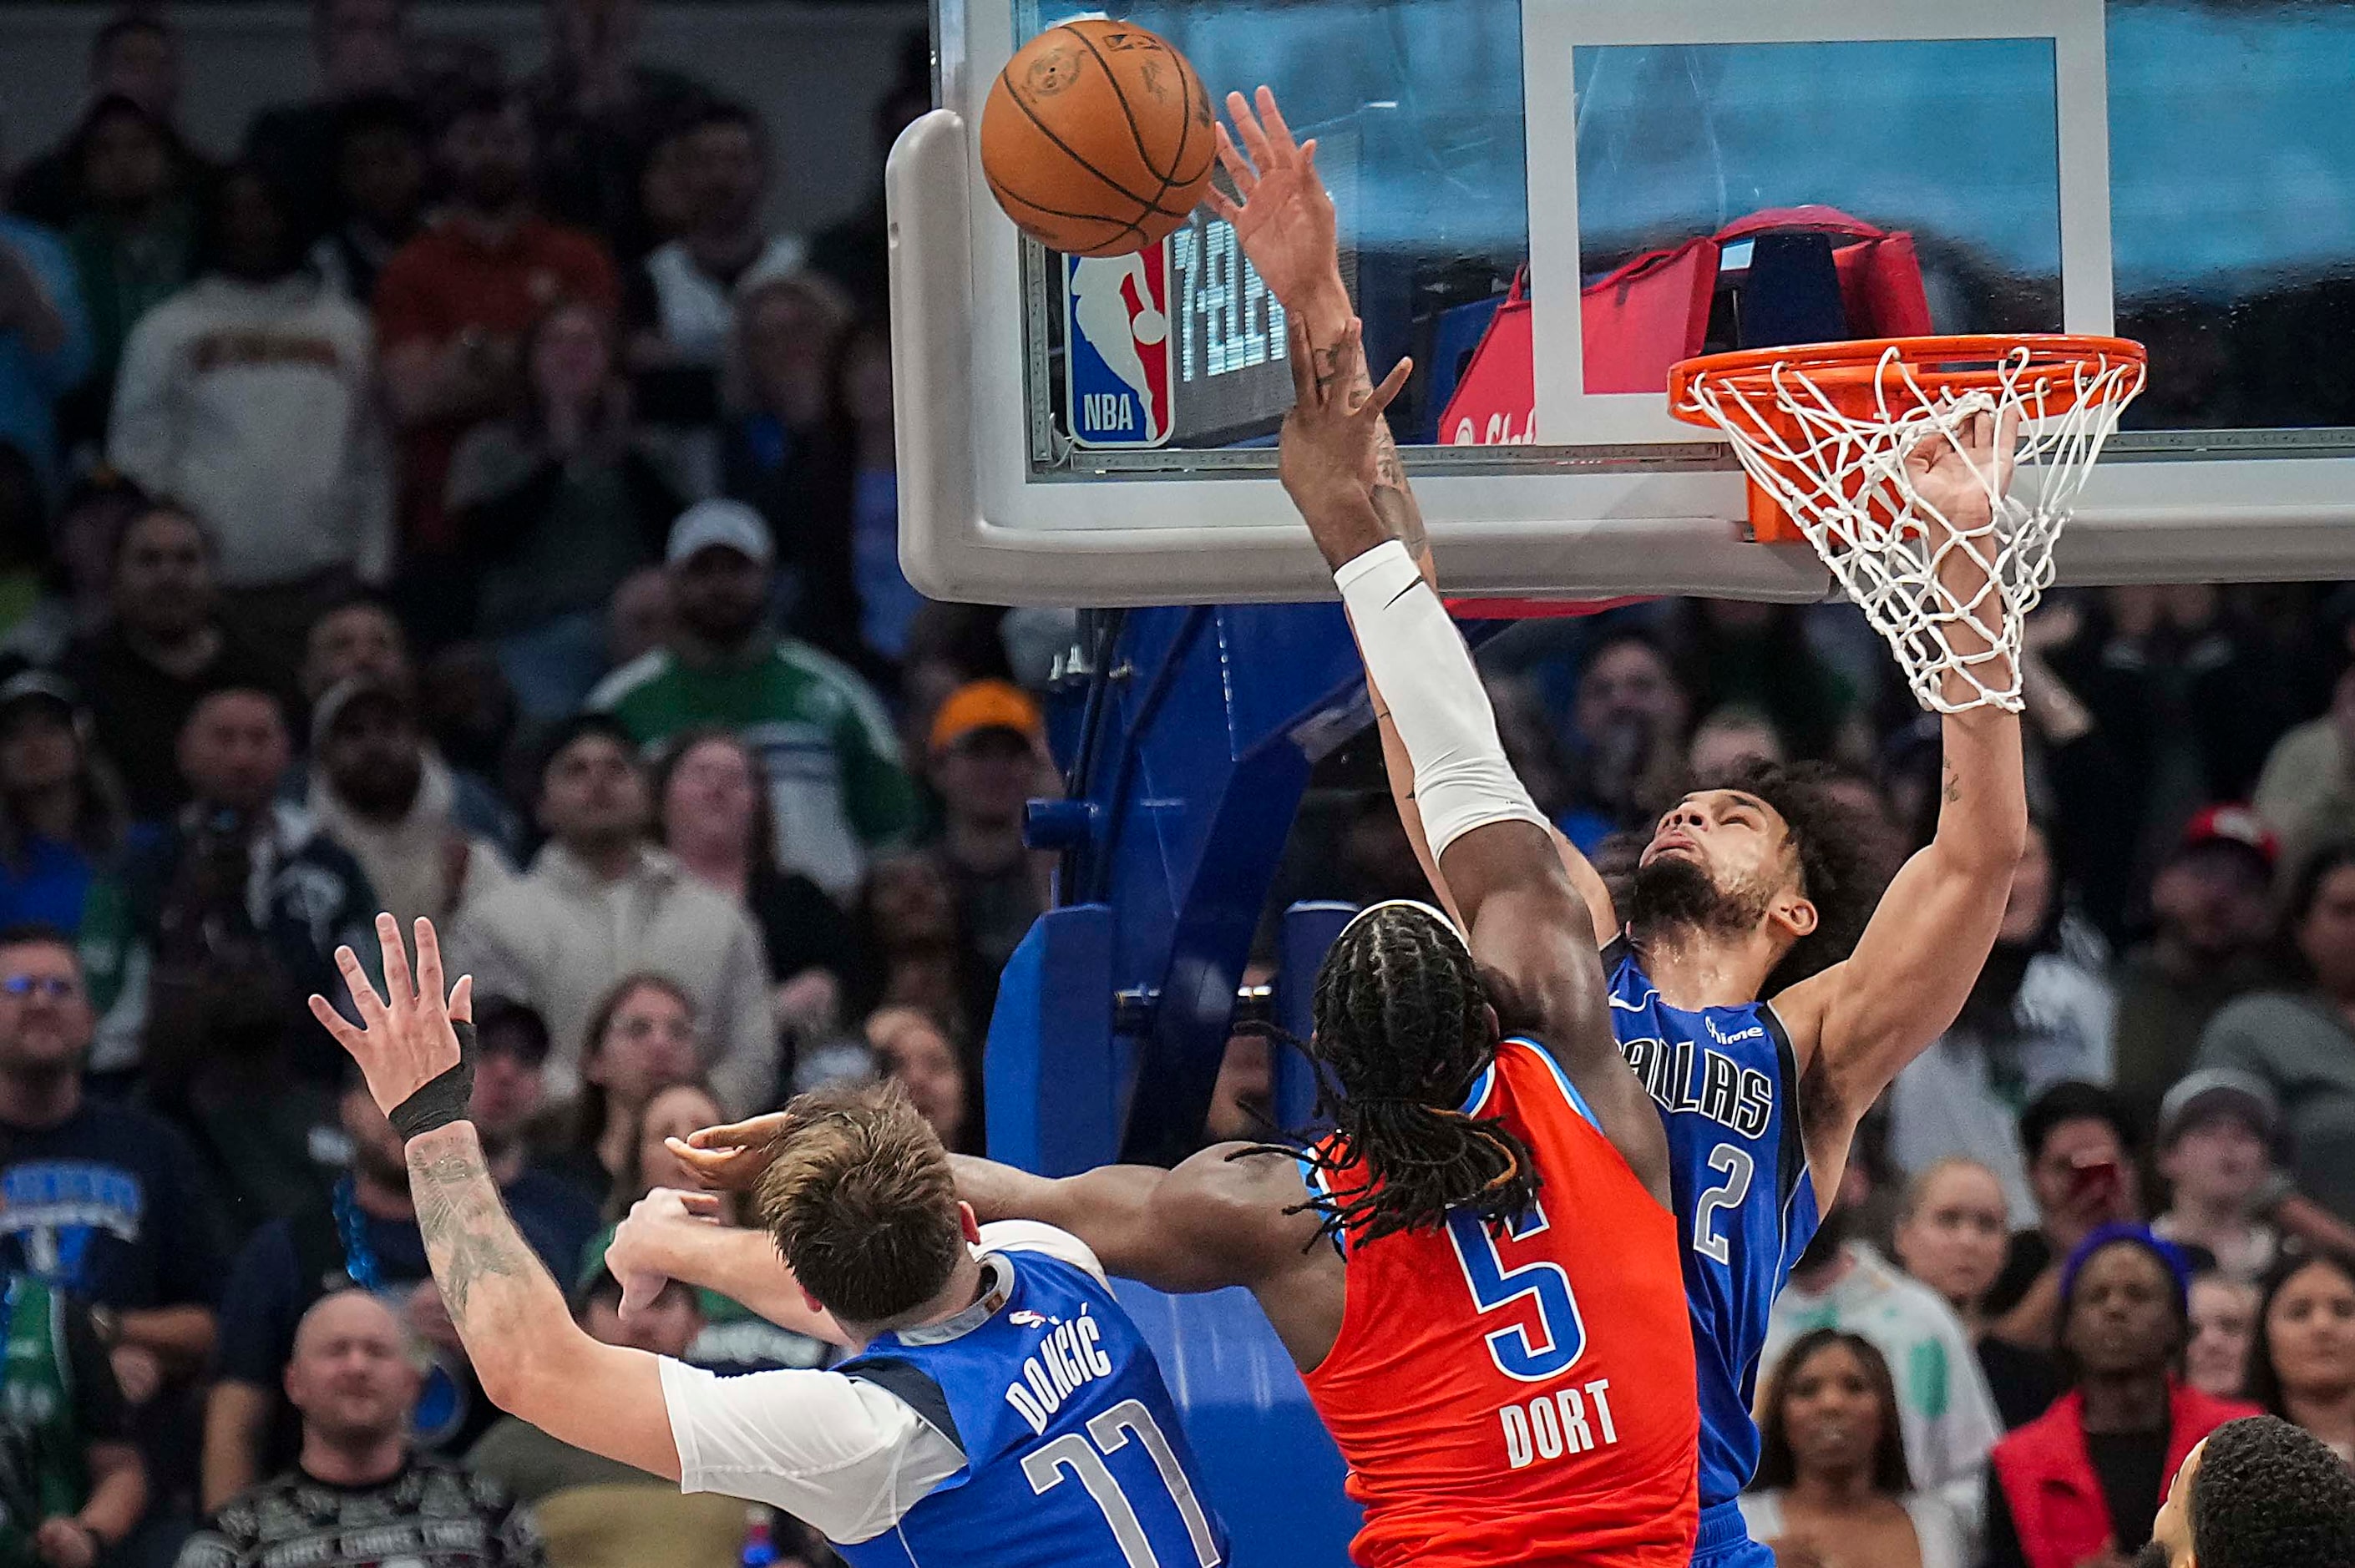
(1097, 138)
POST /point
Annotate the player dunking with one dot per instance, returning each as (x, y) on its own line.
(1757, 891)
(1476, 1271)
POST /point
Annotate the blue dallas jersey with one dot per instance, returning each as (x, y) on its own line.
(1726, 1083)
(1073, 1453)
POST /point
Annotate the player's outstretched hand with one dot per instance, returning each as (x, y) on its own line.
(731, 1159)
(1284, 221)
(642, 1255)
(403, 1040)
(1962, 475)
(1326, 456)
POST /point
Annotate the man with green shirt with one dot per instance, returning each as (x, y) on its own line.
(837, 790)
(71, 1485)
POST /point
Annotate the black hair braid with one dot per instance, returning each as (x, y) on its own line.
(1402, 1024)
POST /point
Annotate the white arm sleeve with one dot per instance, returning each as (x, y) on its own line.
(1417, 658)
(839, 1454)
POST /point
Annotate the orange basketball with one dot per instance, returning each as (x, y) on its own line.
(1097, 138)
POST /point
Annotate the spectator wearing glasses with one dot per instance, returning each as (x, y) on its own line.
(103, 1201)
(641, 1038)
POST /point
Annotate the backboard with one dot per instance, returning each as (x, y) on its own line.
(2173, 172)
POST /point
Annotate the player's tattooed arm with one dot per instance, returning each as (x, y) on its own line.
(496, 1290)
(532, 1358)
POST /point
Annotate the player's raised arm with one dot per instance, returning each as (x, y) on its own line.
(1924, 948)
(1285, 224)
(1529, 931)
(533, 1360)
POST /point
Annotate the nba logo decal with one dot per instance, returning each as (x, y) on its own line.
(1118, 367)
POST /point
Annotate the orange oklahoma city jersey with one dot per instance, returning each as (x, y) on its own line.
(1523, 1397)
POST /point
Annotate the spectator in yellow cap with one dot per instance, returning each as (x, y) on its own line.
(985, 756)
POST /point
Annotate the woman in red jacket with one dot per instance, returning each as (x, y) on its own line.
(2079, 1487)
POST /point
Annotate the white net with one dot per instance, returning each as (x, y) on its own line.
(1949, 593)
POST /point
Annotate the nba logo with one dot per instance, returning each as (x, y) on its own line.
(1118, 367)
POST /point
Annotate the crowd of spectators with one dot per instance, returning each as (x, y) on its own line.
(459, 499)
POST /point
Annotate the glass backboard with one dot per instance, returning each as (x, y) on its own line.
(1547, 201)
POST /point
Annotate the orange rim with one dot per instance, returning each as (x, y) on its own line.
(1850, 373)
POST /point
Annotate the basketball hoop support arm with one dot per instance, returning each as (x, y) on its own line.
(1187, 736)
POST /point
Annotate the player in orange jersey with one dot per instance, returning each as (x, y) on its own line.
(1476, 1270)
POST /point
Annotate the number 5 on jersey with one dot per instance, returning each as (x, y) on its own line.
(1560, 1335)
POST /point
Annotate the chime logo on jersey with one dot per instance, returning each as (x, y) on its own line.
(1119, 367)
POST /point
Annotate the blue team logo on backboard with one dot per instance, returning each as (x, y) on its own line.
(1118, 367)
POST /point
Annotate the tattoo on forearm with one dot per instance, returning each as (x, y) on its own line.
(478, 1257)
(1953, 790)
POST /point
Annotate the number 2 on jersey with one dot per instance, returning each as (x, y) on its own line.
(1560, 1338)
(1736, 1166)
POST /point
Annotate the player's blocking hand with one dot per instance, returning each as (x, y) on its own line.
(403, 1040)
(1284, 220)
(1326, 456)
(731, 1159)
(642, 1253)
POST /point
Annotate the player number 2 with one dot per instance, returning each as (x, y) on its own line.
(1736, 1166)
(1045, 1465)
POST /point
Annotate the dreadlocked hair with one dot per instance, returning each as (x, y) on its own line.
(1402, 1024)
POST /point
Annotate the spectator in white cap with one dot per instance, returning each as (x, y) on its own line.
(2215, 1148)
(837, 790)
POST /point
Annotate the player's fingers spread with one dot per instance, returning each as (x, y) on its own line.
(363, 989)
(428, 964)
(1247, 127)
(1238, 167)
(1279, 134)
(1220, 208)
(461, 1001)
(349, 1038)
(400, 987)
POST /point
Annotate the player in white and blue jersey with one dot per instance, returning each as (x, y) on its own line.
(1001, 1412)
(1766, 989)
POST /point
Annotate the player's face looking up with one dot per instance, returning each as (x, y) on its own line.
(1722, 861)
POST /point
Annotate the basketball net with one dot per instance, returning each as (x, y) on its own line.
(1824, 433)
